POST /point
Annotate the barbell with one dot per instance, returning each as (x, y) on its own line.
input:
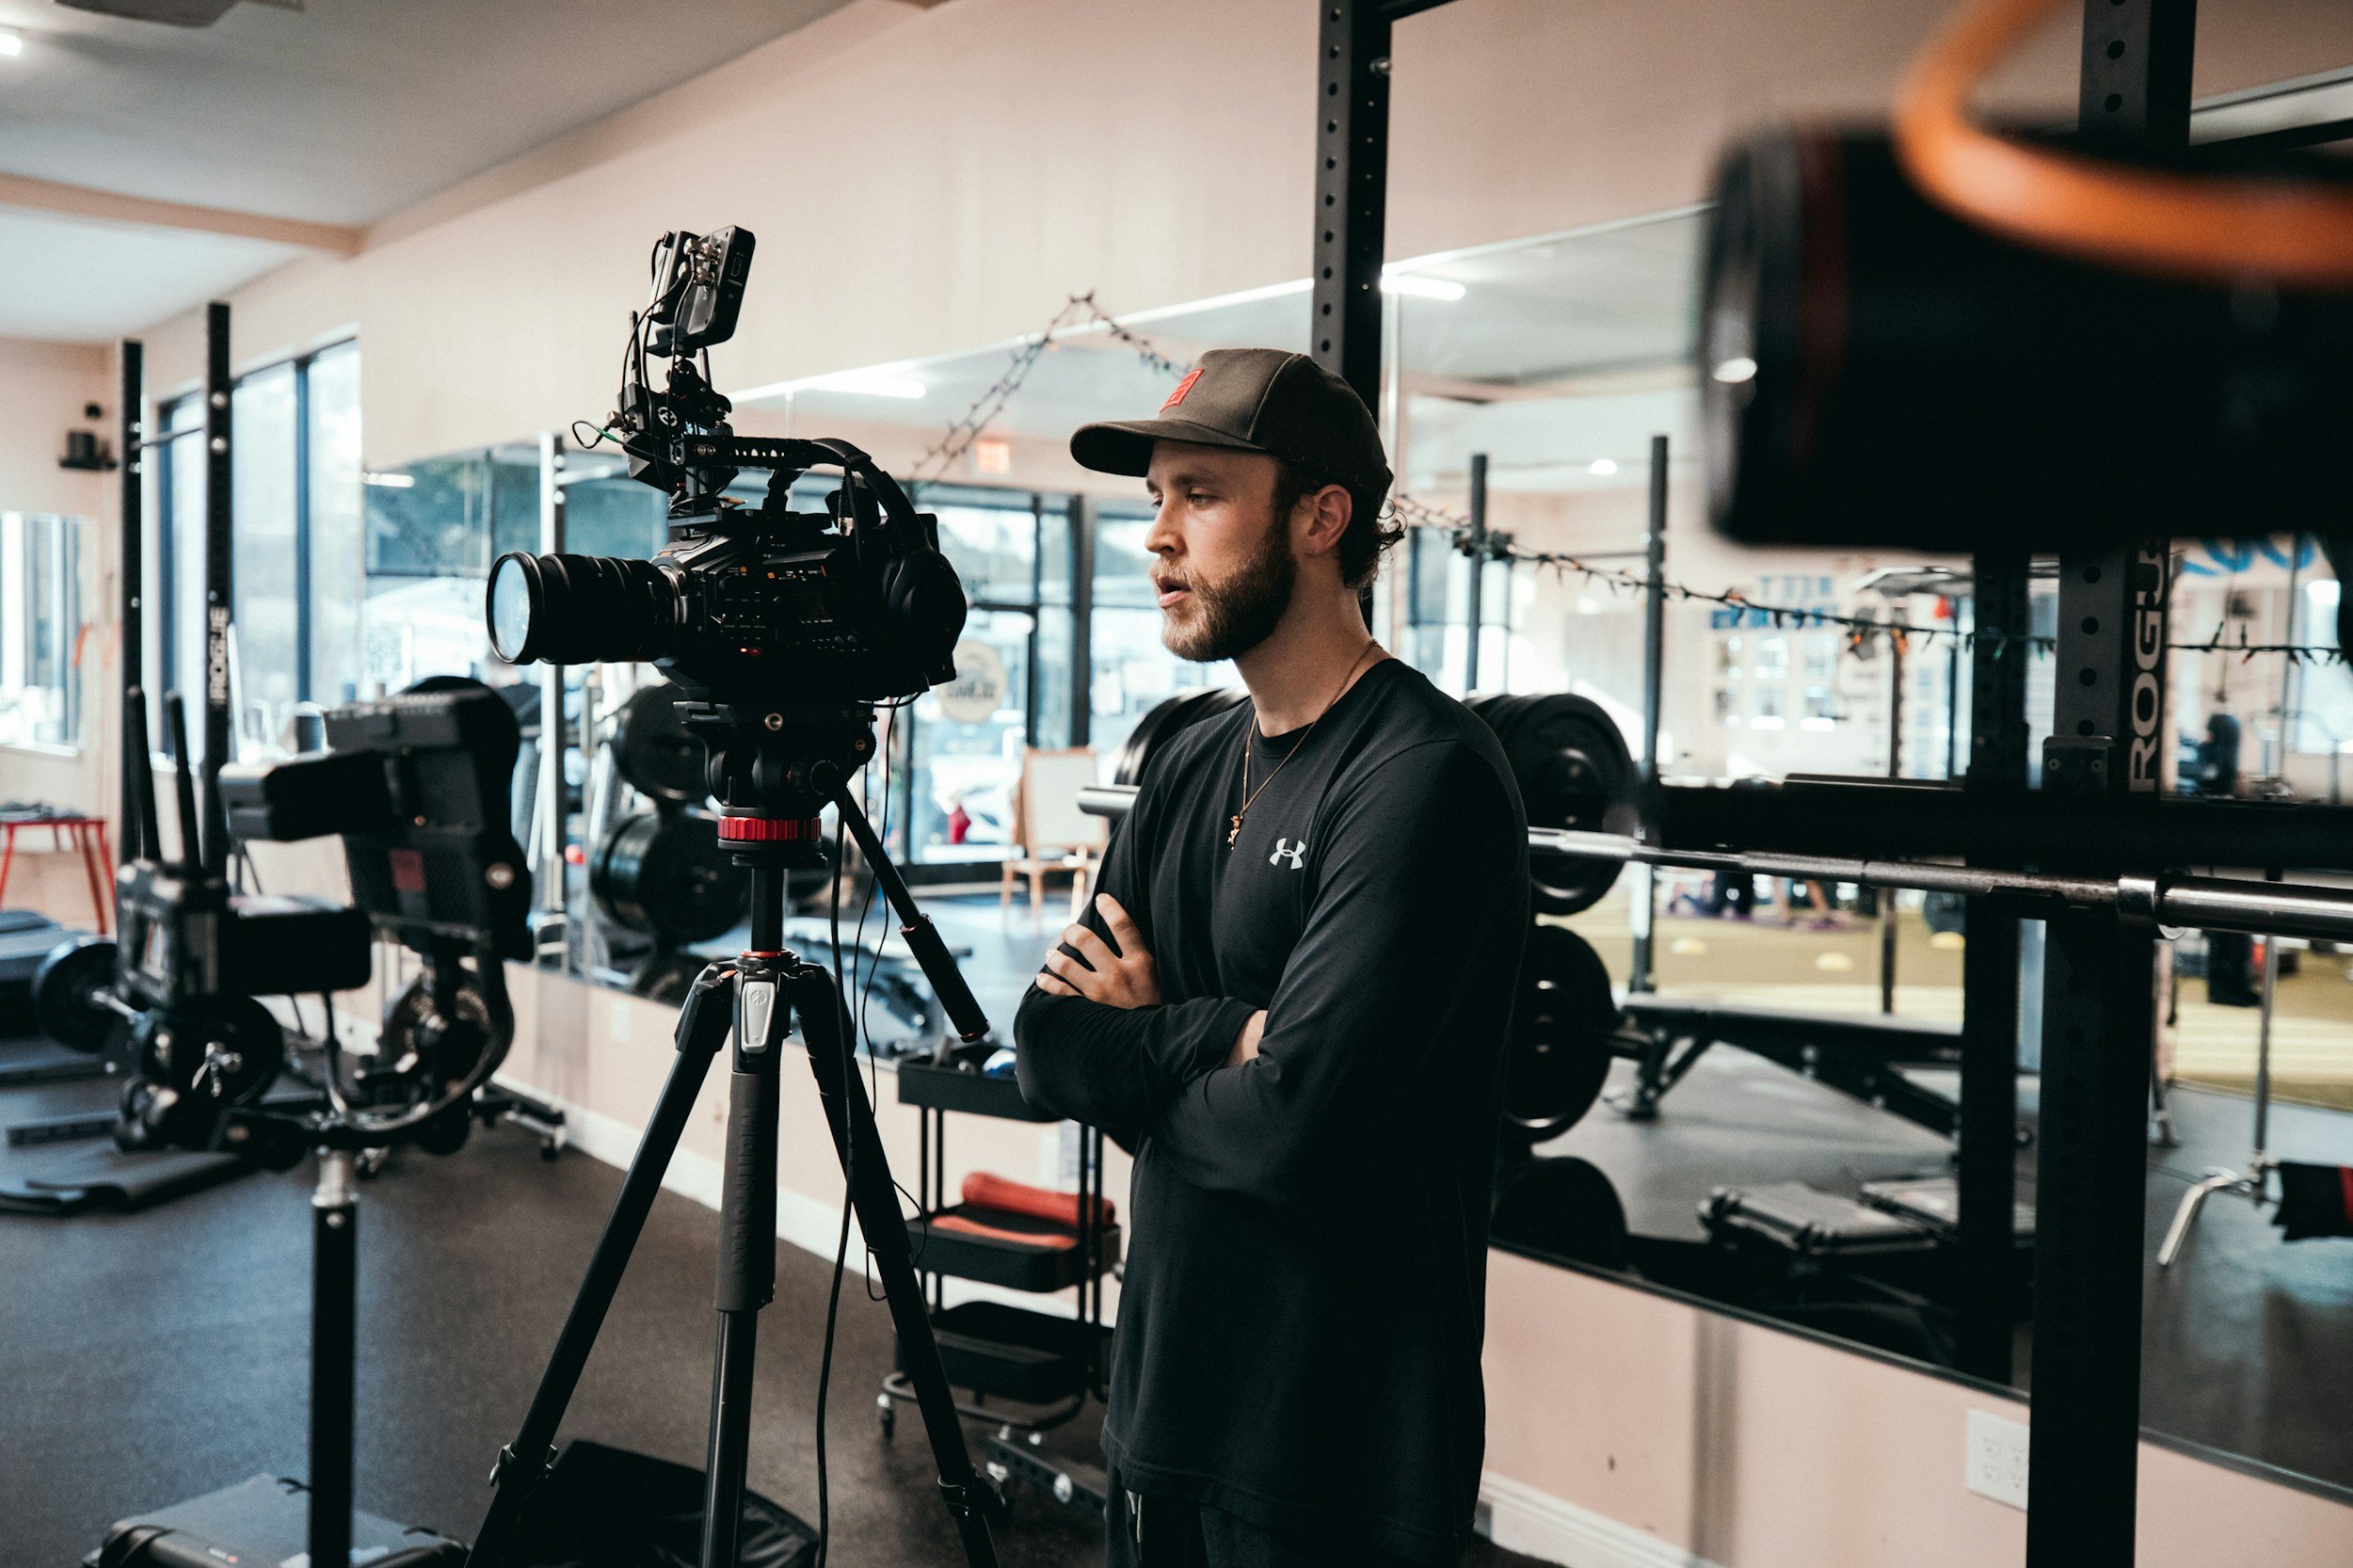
(1580, 789)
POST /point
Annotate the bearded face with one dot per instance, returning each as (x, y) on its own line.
(1224, 617)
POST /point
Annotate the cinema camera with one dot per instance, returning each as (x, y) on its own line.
(416, 786)
(856, 604)
(785, 631)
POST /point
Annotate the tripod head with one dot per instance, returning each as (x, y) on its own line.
(774, 770)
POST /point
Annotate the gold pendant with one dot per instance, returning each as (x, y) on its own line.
(1234, 832)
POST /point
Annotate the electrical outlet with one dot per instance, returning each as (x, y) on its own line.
(1997, 1458)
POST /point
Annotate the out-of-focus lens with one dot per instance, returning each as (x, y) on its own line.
(513, 606)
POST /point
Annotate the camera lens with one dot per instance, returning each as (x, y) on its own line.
(580, 609)
(514, 604)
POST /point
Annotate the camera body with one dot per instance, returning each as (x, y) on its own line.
(1877, 370)
(757, 610)
(416, 786)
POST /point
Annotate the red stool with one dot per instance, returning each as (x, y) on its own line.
(89, 836)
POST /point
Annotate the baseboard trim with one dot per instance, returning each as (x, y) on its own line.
(1519, 1519)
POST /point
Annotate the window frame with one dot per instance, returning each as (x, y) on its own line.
(164, 633)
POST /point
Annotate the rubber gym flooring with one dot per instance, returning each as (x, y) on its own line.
(150, 1358)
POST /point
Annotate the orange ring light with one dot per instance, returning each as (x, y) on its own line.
(2213, 229)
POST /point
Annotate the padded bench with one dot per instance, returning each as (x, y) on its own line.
(1857, 1053)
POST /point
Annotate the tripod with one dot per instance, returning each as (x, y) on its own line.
(756, 995)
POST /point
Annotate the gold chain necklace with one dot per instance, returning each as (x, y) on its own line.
(1249, 794)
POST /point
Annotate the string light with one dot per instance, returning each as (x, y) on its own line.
(1080, 313)
(1861, 630)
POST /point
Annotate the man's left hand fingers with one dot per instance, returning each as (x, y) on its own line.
(1123, 928)
(1092, 948)
(1069, 970)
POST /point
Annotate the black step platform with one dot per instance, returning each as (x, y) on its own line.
(263, 1520)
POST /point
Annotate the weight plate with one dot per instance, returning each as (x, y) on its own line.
(668, 876)
(654, 750)
(421, 1054)
(65, 989)
(1562, 1207)
(1164, 723)
(1574, 771)
(1561, 1035)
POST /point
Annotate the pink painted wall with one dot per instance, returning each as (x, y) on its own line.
(1753, 1447)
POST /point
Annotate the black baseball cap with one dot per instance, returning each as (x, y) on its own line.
(1254, 400)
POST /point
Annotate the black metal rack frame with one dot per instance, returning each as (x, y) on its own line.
(2100, 1005)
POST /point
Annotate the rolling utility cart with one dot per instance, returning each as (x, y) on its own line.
(1023, 1371)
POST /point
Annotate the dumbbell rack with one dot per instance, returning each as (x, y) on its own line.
(1026, 1372)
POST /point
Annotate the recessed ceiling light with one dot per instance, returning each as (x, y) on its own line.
(1603, 466)
(11, 43)
(1735, 370)
(1419, 287)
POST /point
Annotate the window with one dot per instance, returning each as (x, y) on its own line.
(41, 629)
(432, 530)
(269, 581)
(965, 757)
(1133, 671)
(2323, 699)
(294, 503)
(331, 478)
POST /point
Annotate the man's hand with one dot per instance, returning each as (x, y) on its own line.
(1122, 979)
(1246, 1042)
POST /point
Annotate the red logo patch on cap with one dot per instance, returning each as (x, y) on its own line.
(1182, 386)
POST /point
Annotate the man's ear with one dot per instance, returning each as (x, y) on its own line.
(1328, 511)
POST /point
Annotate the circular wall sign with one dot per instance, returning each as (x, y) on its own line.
(980, 686)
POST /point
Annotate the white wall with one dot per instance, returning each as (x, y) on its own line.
(43, 387)
(931, 180)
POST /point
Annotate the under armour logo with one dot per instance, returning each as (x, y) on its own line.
(1284, 847)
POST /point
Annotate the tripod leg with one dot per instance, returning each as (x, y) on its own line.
(748, 1253)
(824, 1024)
(522, 1464)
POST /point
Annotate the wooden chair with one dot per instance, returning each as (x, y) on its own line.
(1050, 834)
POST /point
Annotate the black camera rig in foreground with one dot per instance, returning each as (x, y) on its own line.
(416, 786)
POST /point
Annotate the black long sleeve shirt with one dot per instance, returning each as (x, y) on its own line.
(1299, 1324)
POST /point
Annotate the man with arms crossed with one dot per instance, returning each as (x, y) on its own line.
(1290, 998)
